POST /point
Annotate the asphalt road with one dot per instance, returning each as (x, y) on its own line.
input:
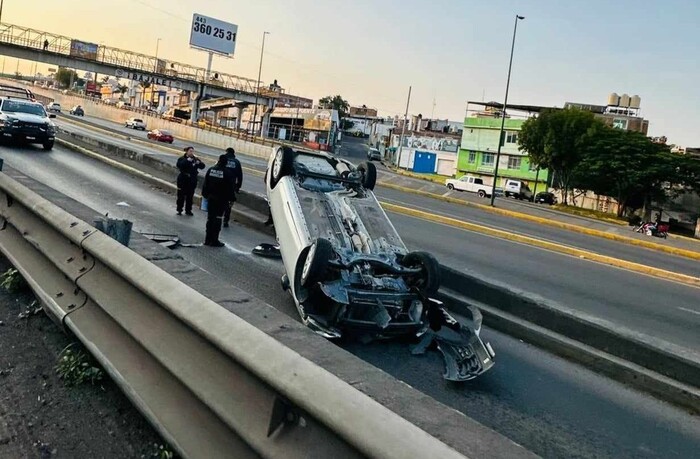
(553, 407)
(657, 308)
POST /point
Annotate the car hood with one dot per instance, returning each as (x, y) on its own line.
(26, 117)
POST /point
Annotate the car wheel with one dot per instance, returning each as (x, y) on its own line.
(48, 145)
(429, 281)
(482, 194)
(450, 186)
(369, 175)
(320, 251)
(282, 165)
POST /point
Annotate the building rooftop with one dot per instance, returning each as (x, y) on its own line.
(525, 108)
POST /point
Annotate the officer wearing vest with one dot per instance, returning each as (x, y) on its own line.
(233, 166)
(218, 190)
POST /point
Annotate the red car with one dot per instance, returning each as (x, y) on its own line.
(160, 136)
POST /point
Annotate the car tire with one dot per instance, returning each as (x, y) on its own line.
(282, 165)
(450, 186)
(481, 193)
(48, 145)
(369, 175)
(430, 280)
(316, 261)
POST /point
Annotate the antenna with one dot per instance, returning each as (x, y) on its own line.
(432, 114)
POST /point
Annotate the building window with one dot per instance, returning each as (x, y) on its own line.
(514, 162)
(533, 166)
(472, 157)
(619, 123)
(487, 159)
(511, 136)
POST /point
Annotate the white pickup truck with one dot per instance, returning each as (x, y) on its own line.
(472, 184)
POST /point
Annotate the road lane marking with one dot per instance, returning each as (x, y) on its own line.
(689, 310)
(554, 247)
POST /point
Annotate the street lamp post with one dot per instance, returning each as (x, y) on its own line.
(257, 90)
(157, 45)
(501, 138)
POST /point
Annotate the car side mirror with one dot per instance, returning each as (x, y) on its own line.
(53, 115)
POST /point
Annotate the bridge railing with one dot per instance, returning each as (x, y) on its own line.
(128, 60)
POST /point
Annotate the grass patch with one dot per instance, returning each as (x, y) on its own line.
(75, 367)
(590, 213)
(12, 281)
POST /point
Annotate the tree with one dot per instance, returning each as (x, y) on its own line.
(625, 165)
(122, 89)
(555, 141)
(105, 79)
(65, 76)
(335, 103)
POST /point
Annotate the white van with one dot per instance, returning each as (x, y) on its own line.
(518, 189)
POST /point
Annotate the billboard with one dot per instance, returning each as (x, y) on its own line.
(83, 50)
(213, 35)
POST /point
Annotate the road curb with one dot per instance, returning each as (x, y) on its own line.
(544, 221)
(610, 261)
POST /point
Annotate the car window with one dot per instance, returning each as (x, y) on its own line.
(478, 181)
(138, 120)
(464, 179)
(14, 106)
(164, 132)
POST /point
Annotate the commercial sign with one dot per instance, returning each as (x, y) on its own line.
(141, 78)
(83, 49)
(213, 35)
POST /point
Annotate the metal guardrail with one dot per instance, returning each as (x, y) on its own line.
(212, 384)
(60, 44)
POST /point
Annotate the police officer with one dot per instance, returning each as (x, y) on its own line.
(218, 190)
(189, 166)
(233, 167)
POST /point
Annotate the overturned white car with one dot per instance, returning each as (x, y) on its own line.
(348, 270)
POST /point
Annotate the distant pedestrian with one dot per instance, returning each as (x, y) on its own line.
(218, 190)
(233, 168)
(46, 45)
(189, 166)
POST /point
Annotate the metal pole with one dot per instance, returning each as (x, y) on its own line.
(2, 2)
(501, 139)
(403, 128)
(257, 90)
(156, 64)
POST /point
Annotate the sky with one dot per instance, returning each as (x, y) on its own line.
(448, 51)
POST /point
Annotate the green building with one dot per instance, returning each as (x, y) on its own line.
(477, 153)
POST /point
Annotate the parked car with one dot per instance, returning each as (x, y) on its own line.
(26, 121)
(347, 268)
(160, 136)
(122, 104)
(518, 189)
(135, 123)
(545, 197)
(54, 107)
(471, 184)
(77, 111)
(373, 153)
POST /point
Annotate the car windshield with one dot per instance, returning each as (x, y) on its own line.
(14, 106)
(138, 121)
(163, 132)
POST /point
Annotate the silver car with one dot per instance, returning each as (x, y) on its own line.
(348, 270)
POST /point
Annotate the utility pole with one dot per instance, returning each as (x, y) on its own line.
(403, 128)
(501, 138)
(2, 2)
(257, 90)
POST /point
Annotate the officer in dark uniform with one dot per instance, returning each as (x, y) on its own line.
(233, 166)
(189, 166)
(218, 190)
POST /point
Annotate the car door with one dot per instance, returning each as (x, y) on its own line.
(462, 184)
